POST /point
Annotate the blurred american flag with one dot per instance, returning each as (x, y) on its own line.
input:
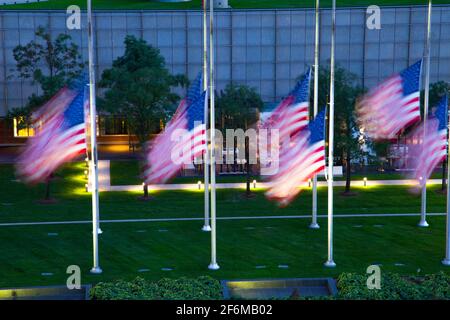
(299, 163)
(393, 105)
(60, 135)
(169, 151)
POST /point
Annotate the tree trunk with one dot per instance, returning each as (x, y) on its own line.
(347, 172)
(247, 164)
(444, 174)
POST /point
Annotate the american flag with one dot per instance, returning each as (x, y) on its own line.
(60, 135)
(299, 163)
(393, 105)
(170, 150)
(291, 115)
(194, 92)
(433, 147)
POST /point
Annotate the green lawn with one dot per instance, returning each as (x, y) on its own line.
(195, 4)
(27, 252)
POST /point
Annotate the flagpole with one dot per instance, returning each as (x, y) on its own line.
(94, 160)
(314, 224)
(206, 226)
(446, 261)
(423, 217)
(330, 262)
(213, 265)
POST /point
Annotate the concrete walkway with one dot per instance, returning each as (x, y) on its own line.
(368, 215)
(105, 183)
(264, 185)
(104, 176)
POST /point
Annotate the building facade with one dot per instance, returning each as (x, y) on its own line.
(265, 49)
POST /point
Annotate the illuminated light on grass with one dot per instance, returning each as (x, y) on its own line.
(199, 184)
(365, 181)
(254, 184)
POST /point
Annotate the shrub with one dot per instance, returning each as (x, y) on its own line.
(202, 288)
(395, 287)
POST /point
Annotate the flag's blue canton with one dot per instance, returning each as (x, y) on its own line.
(301, 90)
(317, 128)
(196, 111)
(195, 90)
(442, 112)
(74, 114)
(411, 78)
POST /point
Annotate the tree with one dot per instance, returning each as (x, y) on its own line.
(238, 107)
(349, 141)
(139, 88)
(50, 63)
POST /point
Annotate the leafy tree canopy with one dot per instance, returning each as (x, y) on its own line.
(51, 63)
(139, 87)
(238, 107)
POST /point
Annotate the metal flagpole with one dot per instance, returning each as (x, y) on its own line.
(330, 263)
(314, 224)
(446, 260)
(213, 265)
(206, 226)
(94, 161)
(423, 217)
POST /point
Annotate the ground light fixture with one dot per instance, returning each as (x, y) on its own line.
(254, 184)
(199, 184)
(365, 181)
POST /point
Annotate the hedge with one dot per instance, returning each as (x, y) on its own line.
(202, 288)
(351, 286)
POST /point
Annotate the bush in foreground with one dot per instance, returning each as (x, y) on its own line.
(351, 286)
(202, 288)
(395, 287)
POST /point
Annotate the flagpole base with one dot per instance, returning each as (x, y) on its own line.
(206, 228)
(96, 270)
(213, 266)
(423, 224)
(330, 264)
(314, 226)
(446, 262)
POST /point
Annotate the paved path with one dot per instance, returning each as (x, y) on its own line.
(368, 215)
(104, 177)
(265, 185)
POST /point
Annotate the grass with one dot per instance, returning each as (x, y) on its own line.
(29, 251)
(196, 4)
